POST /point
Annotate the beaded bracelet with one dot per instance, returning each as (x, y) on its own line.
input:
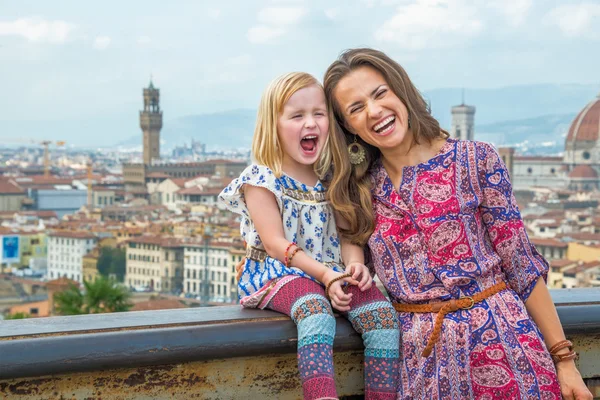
(289, 260)
(287, 249)
(331, 282)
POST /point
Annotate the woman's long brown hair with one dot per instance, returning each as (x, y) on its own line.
(349, 186)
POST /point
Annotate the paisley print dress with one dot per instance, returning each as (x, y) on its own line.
(453, 229)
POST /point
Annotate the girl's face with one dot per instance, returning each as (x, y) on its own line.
(371, 109)
(303, 126)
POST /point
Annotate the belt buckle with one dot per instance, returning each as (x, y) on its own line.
(470, 305)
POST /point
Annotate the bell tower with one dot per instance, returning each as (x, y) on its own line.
(151, 123)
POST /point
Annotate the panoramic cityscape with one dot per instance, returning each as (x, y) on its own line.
(111, 170)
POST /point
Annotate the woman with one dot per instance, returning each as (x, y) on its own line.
(447, 241)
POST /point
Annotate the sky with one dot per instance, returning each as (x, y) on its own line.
(87, 61)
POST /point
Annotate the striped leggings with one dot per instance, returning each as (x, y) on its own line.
(372, 316)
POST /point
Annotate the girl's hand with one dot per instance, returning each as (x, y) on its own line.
(361, 273)
(339, 300)
(572, 386)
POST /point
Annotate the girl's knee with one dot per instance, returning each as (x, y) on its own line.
(314, 316)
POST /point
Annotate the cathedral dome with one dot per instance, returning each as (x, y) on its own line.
(586, 126)
(583, 172)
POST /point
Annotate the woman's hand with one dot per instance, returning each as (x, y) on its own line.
(361, 273)
(572, 386)
(339, 300)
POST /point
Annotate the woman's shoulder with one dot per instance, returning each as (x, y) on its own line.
(476, 148)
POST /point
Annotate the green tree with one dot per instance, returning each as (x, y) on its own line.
(17, 315)
(112, 262)
(103, 295)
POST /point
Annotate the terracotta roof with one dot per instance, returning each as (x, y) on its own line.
(160, 304)
(554, 224)
(586, 126)
(538, 158)
(43, 180)
(61, 282)
(222, 161)
(548, 242)
(157, 175)
(179, 181)
(561, 263)
(583, 172)
(157, 240)
(9, 186)
(583, 266)
(72, 234)
(582, 236)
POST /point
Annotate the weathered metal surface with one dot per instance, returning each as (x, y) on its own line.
(96, 351)
(264, 377)
(208, 353)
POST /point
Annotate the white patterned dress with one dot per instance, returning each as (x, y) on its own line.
(308, 220)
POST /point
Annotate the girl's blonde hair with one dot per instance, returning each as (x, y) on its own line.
(266, 147)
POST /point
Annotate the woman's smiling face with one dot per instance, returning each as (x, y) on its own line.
(371, 109)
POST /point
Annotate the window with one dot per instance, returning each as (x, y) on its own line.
(586, 155)
(529, 170)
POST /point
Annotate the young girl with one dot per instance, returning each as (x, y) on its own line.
(294, 256)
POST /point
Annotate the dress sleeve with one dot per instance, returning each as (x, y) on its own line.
(232, 196)
(522, 264)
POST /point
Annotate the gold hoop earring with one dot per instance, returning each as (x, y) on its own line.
(356, 152)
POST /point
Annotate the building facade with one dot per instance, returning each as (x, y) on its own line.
(211, 258)
(155, 263)
(66, 250)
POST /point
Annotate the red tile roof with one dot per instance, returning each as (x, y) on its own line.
(9, 186)
(548, 242)
(72, 234)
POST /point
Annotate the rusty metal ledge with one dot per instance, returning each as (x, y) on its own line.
(62, 345)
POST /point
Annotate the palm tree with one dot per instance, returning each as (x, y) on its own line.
(102, 295)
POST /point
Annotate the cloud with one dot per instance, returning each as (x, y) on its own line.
(576, 20)
(244, 59)
(263, 33)
(281, 15)
(274, 22)
(332, 13)
(431, 23)
(37, 29)
(101, 42)
(214, 13)
(516, 13)
(144, 40)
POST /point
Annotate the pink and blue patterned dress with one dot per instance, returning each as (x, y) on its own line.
(453, 229)
(308, 220)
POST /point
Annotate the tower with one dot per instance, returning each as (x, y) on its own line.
(151, 123)
(463, 121)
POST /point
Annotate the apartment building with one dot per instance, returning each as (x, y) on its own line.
(66, 250)
(155, 263)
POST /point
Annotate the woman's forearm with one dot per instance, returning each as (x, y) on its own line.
(541, 308)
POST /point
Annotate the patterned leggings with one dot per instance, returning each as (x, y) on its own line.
(372, 316)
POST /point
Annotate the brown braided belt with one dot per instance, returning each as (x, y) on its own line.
(446, 307)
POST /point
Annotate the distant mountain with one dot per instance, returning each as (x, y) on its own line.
(545, 134)
(512, 103)
(514, 112)
(228, 129)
